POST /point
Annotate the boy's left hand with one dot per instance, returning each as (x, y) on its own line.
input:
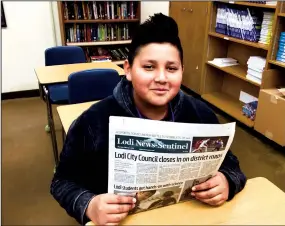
(214, 191)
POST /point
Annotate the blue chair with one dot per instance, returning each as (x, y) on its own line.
(59, 55)
(91, 85)
(58, 93)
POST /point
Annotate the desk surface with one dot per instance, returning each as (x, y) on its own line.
(68, 113)
(60, 73)
(260, 203)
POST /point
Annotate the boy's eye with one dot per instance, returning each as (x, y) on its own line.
(148, 67)
(172, 69)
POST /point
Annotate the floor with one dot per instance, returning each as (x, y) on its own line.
(27, 163)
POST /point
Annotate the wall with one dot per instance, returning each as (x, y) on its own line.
(148, 8)
(29, 32)
(31, 28)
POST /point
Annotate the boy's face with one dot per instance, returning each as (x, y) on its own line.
(156, 73)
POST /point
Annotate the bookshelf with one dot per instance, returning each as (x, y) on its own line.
(101, 28)
(101, 21)
(98, 43)
(258, 5)
(244, 42)
(229, 105)
(221, 86)
(238, 71)
(278, 63)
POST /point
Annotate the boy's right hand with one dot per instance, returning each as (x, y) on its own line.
(109, 209)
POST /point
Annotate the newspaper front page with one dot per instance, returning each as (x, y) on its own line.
(159, 162)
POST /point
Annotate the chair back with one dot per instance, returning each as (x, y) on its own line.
(91, 85)
(64, 55)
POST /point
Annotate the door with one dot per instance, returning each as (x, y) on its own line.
(191, 18)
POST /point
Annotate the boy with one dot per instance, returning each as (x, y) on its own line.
(151, 89)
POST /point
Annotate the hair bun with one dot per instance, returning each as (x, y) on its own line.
(160, 23)
(164, 23)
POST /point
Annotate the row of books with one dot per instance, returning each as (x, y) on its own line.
(281, 48)
(266, 30)
(97, 32)
(239, 23)
(99, 54)
(88, 10)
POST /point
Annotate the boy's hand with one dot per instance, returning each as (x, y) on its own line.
(109, 209)
(214, 191)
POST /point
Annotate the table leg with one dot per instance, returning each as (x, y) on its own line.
(42, 93)
(52, 128)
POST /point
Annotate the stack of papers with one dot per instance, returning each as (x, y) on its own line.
(266, 28)
(255, 65)
(224, 62)
(281, 48)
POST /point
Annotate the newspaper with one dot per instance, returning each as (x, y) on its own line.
(159, 162)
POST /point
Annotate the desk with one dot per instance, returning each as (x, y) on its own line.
(260, 203)
(59, 73)
(68, 113)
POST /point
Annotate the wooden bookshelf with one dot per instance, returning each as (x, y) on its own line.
(281, 14)
(278, 63)
(82, 22)
(99, 43)
(102, 21)
(256, 5)
(244, 42)
(221, 86)
(238, 71)
(229, 105)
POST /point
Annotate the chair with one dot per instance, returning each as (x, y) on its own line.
(91, 85)
(58, 93)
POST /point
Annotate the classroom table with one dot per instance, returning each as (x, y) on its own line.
(59, 73)
(260, 203)
(68, 113)
(48, 75)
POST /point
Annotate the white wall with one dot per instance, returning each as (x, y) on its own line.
(148, 8)
(33, 26)
(29, 32)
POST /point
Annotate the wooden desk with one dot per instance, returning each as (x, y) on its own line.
(260, 203)
(68, 113)
(60, 73)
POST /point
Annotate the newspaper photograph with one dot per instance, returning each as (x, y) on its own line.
(159, 162)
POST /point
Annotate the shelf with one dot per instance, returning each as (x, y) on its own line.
(231, 39)
(102, 21)
(256, 5)
(238, 71)
(119, 62)
(278, 63)
(99, 43)
(281, 14)
(228, 104)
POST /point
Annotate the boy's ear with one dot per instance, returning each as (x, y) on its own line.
(127, 69)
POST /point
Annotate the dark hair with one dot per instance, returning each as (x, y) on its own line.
(157, 29)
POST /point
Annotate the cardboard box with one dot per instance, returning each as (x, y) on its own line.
(270, 115)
